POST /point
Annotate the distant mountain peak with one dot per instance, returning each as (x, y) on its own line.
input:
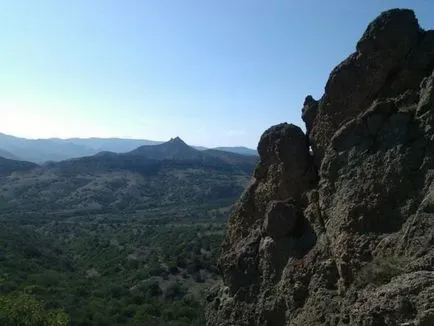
(177, 140)
(176, 143)
(175, 148)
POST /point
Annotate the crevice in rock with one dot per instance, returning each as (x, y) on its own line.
(304, 236)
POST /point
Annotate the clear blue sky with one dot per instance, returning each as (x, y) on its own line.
(214, 72)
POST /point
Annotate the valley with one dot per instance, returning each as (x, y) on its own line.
(118, 239)
(303, 196)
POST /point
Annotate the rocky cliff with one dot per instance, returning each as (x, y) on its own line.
(337, 227)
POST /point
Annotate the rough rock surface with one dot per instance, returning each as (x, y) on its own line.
(343, 235)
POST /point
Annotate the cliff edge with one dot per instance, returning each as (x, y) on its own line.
(337, 227)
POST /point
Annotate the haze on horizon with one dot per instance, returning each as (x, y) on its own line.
(214, 73)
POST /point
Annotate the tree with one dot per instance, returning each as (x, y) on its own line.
(24, 310)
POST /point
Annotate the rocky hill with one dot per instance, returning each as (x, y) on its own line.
(151, 176)
(9, 166)
(343, 234)
(56, 149)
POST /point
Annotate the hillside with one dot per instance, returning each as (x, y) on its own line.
(238, 150)
(56, 149)
(117, 145)
(168, 174)
(117, 239)
(8, 155)
(144, 268)
(9, 166)
(342, 234)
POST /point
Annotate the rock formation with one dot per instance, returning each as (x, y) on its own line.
(343, 234)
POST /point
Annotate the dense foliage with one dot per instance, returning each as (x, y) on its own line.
(116, 239)
(7, 166)
(137, 269)
(72, 187)
(24, 310)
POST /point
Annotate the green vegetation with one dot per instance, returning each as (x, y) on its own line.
(132, 269)
(71, 192)
(7, 166)
(24, 310)
(116, 239)
(172, 174)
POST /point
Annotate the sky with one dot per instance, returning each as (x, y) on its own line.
(214, 72)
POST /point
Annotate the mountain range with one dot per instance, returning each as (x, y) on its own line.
(8, 155)
(56, 149)
(140, 229)
(167, 174)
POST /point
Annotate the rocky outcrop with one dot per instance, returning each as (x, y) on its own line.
(343, 234)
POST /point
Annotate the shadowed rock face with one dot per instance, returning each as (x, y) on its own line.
(343, 236)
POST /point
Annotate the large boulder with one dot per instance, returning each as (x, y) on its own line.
(343, 234)
(280, 218)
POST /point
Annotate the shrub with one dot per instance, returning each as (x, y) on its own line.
(24, 309)
(175, 290)
(150, 289)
